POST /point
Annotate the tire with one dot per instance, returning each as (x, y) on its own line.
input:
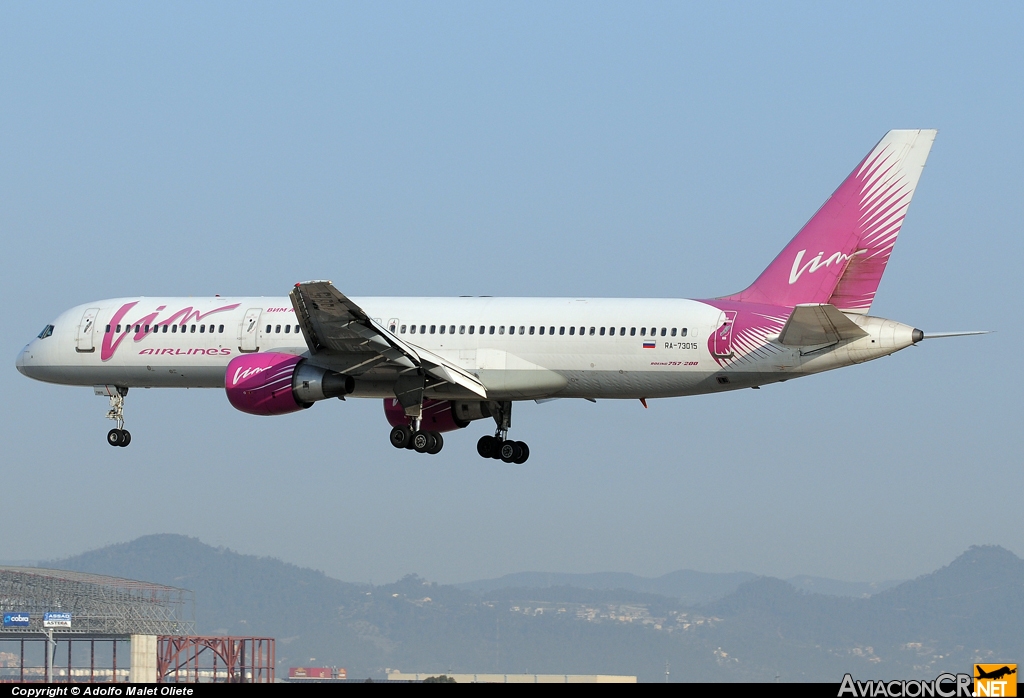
(510, 451)
(438, 444)
(126, 438)
(525, 455)
(114, 437)
(401, 436)
(486, 446)
(421, 441)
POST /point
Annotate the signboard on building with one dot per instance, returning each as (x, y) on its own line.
(317, 673)
(56, 619)
(15, 620)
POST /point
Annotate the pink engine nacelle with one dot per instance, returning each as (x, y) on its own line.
(438, 415)
(267, 383)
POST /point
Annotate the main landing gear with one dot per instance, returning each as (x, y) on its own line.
(499, 446)
(503, 449)
(119, 436)
(420, 441)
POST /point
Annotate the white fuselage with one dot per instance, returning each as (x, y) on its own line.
(519, 348)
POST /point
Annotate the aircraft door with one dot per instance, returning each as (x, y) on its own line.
(249, 332)
(83, 342)
(721, 340)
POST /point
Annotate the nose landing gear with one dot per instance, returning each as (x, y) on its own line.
(119, 436)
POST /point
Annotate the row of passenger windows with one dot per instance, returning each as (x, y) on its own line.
(533, 329)
(287, 329)
(153, 329)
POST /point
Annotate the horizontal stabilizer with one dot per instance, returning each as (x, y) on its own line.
(940, 335)
(814, 324)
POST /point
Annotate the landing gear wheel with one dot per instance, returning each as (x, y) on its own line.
(401, 436)
(487, 446)
(525, 452)
(126, 438)
(422, 441)
(438, 444)
(114, 437)
(510, 451)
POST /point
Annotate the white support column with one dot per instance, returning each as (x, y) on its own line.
(143, 668)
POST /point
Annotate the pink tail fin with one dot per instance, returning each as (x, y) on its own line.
(838, 257)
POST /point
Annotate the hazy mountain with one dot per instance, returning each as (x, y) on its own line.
(691, 587)
(970, 609)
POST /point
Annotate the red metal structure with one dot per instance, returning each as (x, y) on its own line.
(217, 659)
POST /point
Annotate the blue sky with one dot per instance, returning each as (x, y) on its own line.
(533, 149)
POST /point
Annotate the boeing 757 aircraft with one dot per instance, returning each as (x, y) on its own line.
(440, 363)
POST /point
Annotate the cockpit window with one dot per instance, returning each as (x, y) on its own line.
(47, 331)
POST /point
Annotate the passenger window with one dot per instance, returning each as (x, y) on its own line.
(683, 333)
(572, 330)
(287, 329)
(541, 329)
(491, 331)
(442, 329)
(412, 329)
(297, 330)
(138, 327)
(663, 331)
(522, 329)
(402, 330)
(165, 329)
(501, 330)
(632, 332)
(654, 331)
(622, 331)
(220, 329)
(592, 331)
(551, 330)
(643, 331)
(277, 330)
(423, 329)
(108, 329)
(119, 329)
(471, 328)
(462, 329)
(433, 329)
(268, 329)
(583, 331)
(451, 329)
(561, 330)
(174, 328)
(193, 330)
(673, 331)
(202, 329)
(146, 329)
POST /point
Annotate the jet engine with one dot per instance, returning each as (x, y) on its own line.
(268, 383)
(438, 415)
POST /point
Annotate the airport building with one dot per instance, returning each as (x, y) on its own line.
(77, 627)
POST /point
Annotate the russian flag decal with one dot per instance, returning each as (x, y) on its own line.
(649, 345)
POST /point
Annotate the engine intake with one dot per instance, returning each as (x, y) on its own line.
(268, 383)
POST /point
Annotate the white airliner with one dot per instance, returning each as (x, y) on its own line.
(440, 363)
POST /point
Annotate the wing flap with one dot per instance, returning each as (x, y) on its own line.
(816, 324)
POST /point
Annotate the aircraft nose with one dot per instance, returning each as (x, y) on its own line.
(22, 361)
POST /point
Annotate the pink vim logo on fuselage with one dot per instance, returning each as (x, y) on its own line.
(112, 340)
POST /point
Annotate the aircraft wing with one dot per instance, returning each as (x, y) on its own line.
(332, 324)
(814, 324)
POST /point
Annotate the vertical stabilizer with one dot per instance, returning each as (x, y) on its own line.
(839, 256)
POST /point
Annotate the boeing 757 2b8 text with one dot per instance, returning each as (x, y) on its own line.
(440, 363)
